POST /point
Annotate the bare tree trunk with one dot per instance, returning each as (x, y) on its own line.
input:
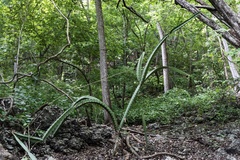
(164, 60)
(223, 58)
(103, 59)
(232, 66)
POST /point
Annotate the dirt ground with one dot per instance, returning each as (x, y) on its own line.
(74, 140)
(169, 142)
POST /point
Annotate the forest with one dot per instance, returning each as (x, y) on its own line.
(123, 79)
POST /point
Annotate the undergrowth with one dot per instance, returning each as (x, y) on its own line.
(211, 104)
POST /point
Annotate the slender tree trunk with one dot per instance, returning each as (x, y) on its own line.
(164, 60)
(223, 58)
(125, 37)
(103, 59)
(232, 66)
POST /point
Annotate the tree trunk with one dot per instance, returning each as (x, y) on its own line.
(103, 59)
(232, 66)
(223, 58)
(164, 60)
(125, 38)
(223, 13)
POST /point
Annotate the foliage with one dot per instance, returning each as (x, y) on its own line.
(212, 104)
(144, 74)
(194, 56)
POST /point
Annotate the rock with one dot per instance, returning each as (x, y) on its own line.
(221, 153)
(4, 154)
(199, 119)
(153, 126)
(234, 147)
(47, 157)
(75, 143)
(45, 117)
(169, 158)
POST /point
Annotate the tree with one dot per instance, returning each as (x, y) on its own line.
(229, 27)
(232, 66)
(164, 60)
(103, 59)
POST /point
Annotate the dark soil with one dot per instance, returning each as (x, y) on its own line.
(76, 141)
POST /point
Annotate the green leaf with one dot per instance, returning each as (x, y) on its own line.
(58, 122)
(32, 157)
(147, 65)
(139, 67)
(179, 71)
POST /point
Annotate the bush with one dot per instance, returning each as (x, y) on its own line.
(212, 104)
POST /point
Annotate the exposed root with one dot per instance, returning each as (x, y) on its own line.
(161, 154)
(130, 147)
(149, 156)
(138, 140)
(138, 132)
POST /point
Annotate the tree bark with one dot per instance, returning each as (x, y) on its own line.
(232, 66)
(164, 60)
(103, 59)
(223, 12)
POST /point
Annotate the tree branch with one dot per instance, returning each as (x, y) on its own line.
(59, 90)
(15, 75)
(231, 36)
(228, 15)
(131, 9)
(67, 36)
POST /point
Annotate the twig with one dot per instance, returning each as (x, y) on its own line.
(67, 31)
(61, 91)
(118, 3)
(131, 9)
